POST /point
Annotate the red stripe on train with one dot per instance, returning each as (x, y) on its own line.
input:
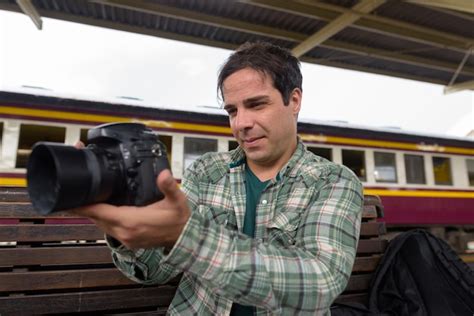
(428, 210)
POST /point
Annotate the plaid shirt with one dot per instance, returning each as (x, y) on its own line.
(307, 229)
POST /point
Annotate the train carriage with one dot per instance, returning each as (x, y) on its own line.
(423, 180)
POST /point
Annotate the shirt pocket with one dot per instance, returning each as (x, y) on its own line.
(214, 214)
(283, 227)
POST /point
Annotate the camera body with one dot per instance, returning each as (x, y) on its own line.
(118, 166)
(136, 154)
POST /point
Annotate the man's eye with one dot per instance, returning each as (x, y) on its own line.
(256, 104)
(231, 111)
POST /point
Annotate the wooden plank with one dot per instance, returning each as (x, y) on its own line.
(369, 212)
(353, 298)
(55, 256)
(372, 229)
(66, 279)
(53, 232)
(161, 311)
(376, 201)
(372, 200)
(12, 194)
(366, 264)
(87, 301)
(25, 210)
(358, 282)
(371, 246)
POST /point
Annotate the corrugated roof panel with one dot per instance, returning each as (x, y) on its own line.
(393, 45)
(376, 40)
(459, 24)
(434, 19)
(408, 69)
(251, 14)
(326, 54)
(342, 3)
(349, 60)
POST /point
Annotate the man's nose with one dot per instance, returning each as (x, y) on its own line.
(243, 120)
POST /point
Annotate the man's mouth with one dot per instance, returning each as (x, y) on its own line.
(251, 140)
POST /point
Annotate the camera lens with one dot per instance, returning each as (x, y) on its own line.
(62, 177)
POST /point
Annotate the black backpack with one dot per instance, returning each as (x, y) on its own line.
(419, 275)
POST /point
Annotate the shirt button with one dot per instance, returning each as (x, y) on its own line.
(264, 202)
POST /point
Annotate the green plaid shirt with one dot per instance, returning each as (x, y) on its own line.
(307, 228)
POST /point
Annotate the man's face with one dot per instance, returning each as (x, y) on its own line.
(264, 127)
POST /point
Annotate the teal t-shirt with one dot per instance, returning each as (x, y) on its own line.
(253, 190)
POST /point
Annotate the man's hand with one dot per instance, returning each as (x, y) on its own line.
(154, 225)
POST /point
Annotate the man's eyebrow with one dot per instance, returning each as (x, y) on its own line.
(248, 102)
(256, 99)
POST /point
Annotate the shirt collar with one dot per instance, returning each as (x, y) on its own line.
(288, 170)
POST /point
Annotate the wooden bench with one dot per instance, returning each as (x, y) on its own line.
(60, 264)
(371, 247)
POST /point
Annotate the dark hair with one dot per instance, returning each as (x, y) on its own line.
(276, 62)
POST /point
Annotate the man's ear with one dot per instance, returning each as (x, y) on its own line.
(295, 101)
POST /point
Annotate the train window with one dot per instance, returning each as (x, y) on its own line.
(84, 135)
(415, 169)
(167, 141)
(322, 152)
(195, 147)
(355, 160)
(442, 171)
(470, 171)
(385, 167)
(233, 144)
(30, 134)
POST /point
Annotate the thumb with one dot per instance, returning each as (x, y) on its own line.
(168, 185)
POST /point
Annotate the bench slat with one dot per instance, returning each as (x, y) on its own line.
(369, 246)
(358, 282)
(352, 298)
(13, 194)
(56, 232)
(87, 301)
(51, 232)
(55, 256)
(369, 212)
(366, 264)
(66, 279)
(25, 210)
(372, 229)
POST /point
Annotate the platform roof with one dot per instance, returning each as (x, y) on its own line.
(429, 41)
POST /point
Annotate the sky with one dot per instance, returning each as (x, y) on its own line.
(76, 59)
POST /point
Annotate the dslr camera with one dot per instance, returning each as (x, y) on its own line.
(119, 166)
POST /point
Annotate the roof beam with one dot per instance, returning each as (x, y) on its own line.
(372, 23)
(29, 9)
(467, 85)
(461, 65)
(335, 26)
(458, 5)
(458, 14)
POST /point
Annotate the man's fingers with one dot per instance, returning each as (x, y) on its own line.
(168, 185)
(100, 211)
(79, 145)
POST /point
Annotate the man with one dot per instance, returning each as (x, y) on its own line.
(268, 228)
